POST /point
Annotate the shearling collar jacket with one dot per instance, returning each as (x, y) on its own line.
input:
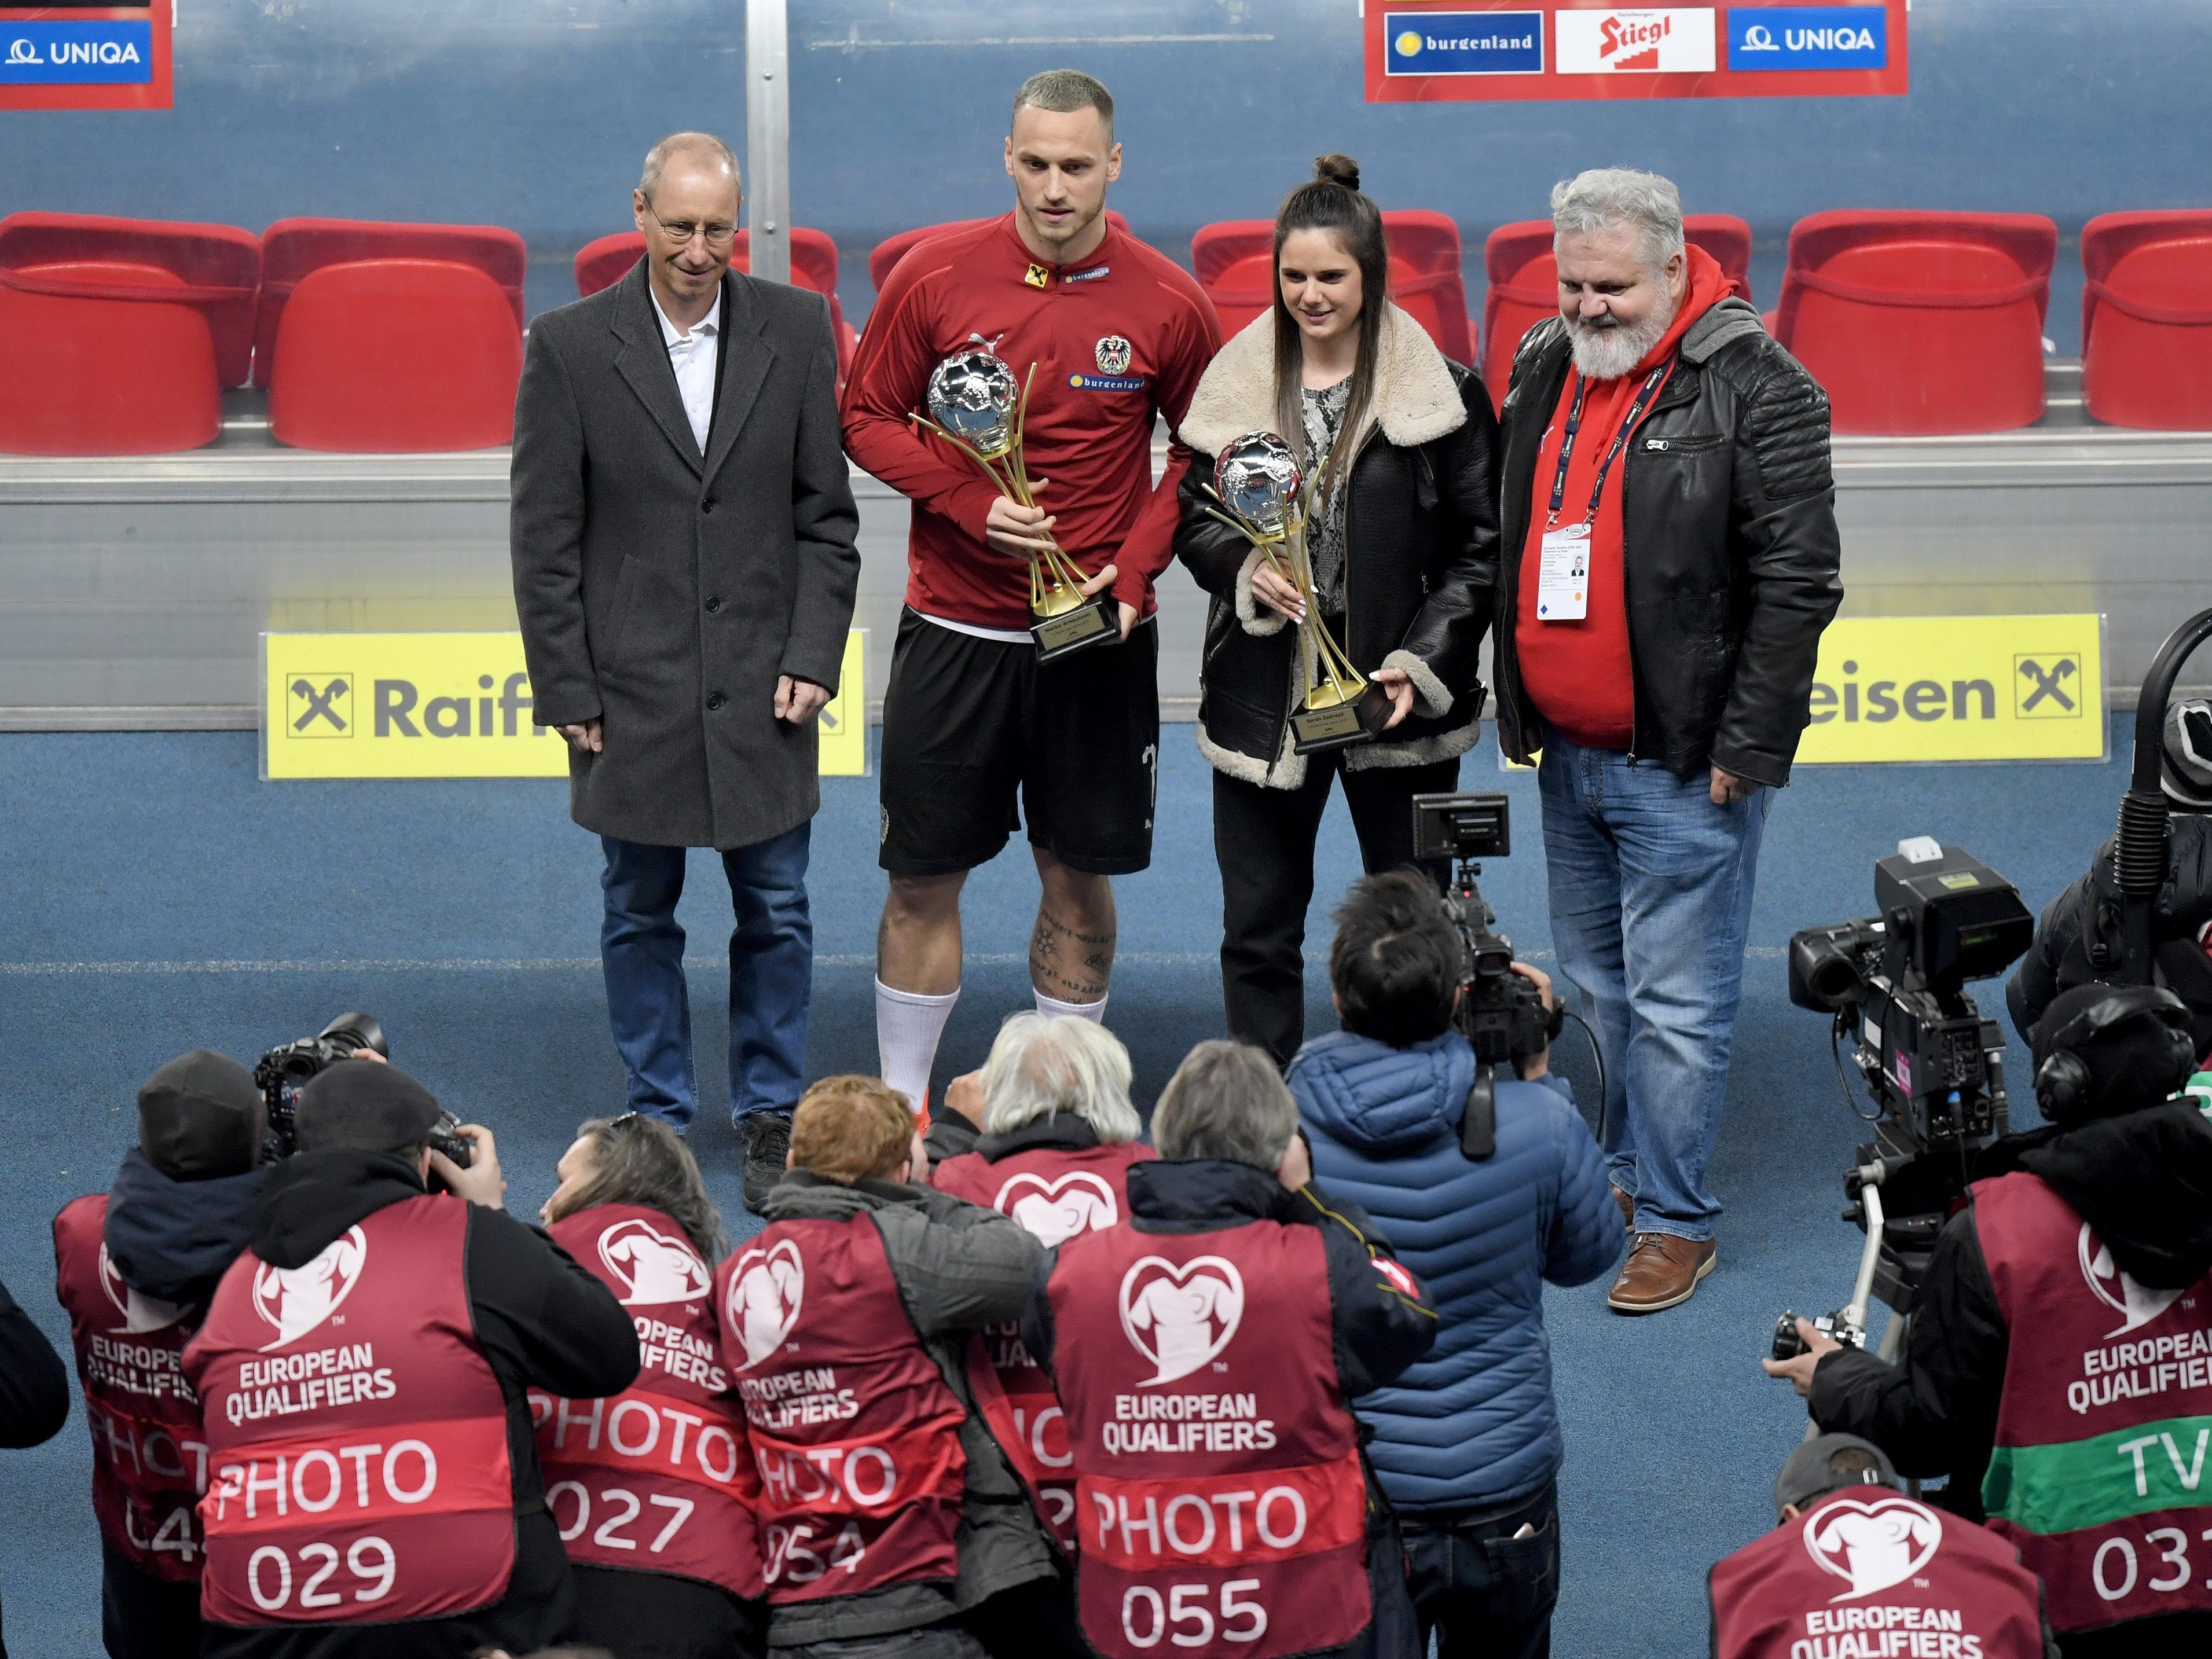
(1420, 560)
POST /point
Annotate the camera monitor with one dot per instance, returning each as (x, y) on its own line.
(1455, 826)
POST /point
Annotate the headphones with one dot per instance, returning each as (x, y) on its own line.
(2062, 1082)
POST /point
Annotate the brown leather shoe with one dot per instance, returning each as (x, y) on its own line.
(1627, 1207)
(1660, 1272)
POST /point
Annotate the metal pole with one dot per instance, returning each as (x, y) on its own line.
(768, 137)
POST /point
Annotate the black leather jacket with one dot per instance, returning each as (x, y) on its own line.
(1728, 510)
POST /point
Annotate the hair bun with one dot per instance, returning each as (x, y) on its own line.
(1337, 170)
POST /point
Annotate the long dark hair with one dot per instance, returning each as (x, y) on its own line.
(1331, 202)
(641, 1160)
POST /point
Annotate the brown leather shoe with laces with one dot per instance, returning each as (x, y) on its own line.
(1660, 1272)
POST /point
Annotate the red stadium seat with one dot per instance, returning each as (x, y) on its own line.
(888, 252)
(90, 305)
(1236, 265)
(1921, 322)
(605, 262)
(291, 249)
(394, 355)
(2147, 319)
(1524, 282)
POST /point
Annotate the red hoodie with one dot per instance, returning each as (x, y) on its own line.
(1576, 673)
(1117, 338)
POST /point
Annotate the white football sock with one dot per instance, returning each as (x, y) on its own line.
(1093, 1012)
(907, 1026)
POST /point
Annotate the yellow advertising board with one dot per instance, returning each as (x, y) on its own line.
(452, 706)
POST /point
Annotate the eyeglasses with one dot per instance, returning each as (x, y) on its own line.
(718, 234)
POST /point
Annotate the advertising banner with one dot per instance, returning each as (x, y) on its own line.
(452, 706)
(1440, 50)
(85, 57)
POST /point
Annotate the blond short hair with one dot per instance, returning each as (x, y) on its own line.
(851, 1128)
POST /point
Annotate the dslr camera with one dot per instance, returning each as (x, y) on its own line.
(1501, 1013)
(1895, 983)
(281, 1073)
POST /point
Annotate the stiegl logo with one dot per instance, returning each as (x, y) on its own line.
(2136, 1305)
(1057, 1210)
(295, 1300)
(654, 1268)
(763, 1304)
(1181, 1317)
(1872, 1546)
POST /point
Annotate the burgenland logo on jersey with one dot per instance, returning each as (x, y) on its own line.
(652, 1267)
(1056, 1211)
(1180, 1317)
(140, 1313)
(1872, 1546)
(763, 1304)
(2136, 1305)
(296, 1300)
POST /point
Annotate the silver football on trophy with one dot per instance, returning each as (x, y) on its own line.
(1257, 478)
(972, 395)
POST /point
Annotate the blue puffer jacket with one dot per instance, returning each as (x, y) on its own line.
(1474, 1426)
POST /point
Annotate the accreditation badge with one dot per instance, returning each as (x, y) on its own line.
(1563, 575)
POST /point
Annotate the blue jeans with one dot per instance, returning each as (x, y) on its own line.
(1650, 897)
(771, 974)
(1483, 1592)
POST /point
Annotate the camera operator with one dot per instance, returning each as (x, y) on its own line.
(846, 1322)
(134, 1268)
(373, 1483)
(1905, 1568)
(2089, 1250)
(1206, 1348)
(1466, 1442)
(632, 1209)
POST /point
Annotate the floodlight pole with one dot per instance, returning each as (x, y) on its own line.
(768, 137)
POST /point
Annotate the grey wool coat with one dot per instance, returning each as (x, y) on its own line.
(660, 591)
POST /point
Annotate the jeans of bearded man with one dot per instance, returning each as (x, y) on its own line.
(771, 974)
(1650, 900)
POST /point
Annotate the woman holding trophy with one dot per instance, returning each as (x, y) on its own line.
(1341, 510)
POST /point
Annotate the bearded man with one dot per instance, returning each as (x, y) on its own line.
(1669, 559)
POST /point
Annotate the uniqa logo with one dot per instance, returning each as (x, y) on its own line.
(93, 52)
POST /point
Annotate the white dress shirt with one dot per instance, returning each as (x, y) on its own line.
(693, 357)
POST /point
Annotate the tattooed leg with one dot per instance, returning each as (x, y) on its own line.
(1072, 950)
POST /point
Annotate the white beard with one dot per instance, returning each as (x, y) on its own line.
(1608, 350)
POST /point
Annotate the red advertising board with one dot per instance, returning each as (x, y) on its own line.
(1446, 50)
(86, 57)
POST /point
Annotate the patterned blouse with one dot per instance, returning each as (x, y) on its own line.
(1323, 417)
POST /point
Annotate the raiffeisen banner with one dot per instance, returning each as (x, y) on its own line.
(1440, 50)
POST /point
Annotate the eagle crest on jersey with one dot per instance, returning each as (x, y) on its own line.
(1114, 353)
(1057, 1210)
(1873, 1546)
(762, 1305)
(295, 1300)
(1180, 1317)
(654, 1268)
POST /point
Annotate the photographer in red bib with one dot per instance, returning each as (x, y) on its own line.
(1119, 335)
(373, 1482)
(888, 1516)
(1205, 1349)
(654, 1489)
(1855, 1567)
(2059, 1363)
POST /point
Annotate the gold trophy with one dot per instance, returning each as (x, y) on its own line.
(979, 411)
(1256, 480)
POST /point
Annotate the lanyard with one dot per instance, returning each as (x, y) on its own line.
(1620, 441)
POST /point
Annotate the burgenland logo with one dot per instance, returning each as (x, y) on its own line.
(653, 1267)
(1181, 1317)
(1057, 1210)
(295, 1300)
(1872, 1546)
(2136, 1305)
(140, 1313)
(763, 1304)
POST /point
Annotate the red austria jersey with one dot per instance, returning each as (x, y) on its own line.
(855, 1437)
(1868, 1573)
(1218, 1486)
(2104, 1438)
(356, 1435)
(1056, 1193)
(150, 1462)
(659, 1478)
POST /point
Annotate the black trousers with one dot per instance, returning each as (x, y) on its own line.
(1263, 839)
(1486, 1593)
(657, 1615)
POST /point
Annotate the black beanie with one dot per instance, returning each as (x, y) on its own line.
(361, 1104)
(200, 1118)
(2131, 1064)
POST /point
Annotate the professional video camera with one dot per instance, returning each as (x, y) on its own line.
(1896, 984)
(1501, 1013)
(281, 1073)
